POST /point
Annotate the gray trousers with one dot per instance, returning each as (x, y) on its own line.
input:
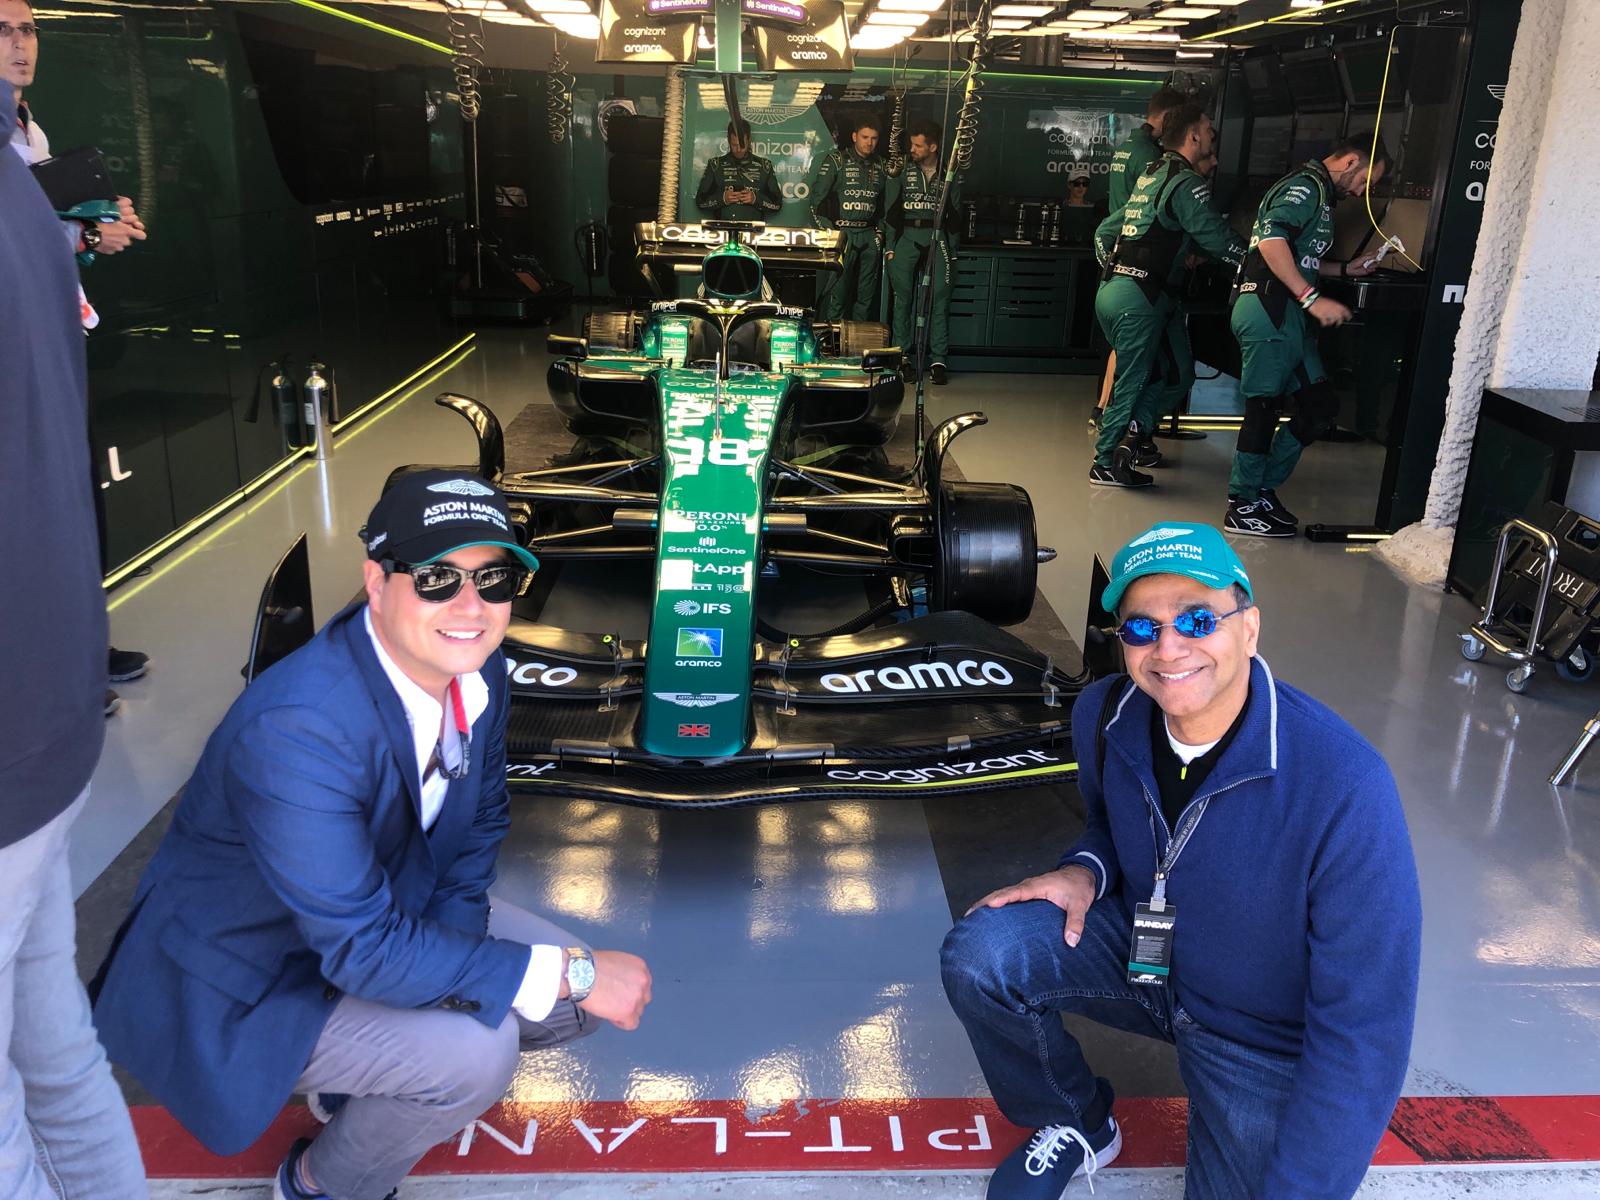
(64, 1128)
(415, 1077)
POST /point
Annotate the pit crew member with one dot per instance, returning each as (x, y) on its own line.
(848, 193)
(1144, 249)
(1277, 300)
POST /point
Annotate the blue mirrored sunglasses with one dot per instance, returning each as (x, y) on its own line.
(1196, 623)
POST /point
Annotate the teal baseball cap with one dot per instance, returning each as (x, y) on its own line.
(1176, 548)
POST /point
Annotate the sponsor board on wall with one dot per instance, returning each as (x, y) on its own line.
(820, 43)
(647, 31)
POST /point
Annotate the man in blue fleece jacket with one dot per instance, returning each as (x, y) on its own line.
(1244, 889)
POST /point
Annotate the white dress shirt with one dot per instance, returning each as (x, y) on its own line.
(541, 983)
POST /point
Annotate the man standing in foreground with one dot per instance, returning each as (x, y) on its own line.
(1272, 317)
(64, 1129)
(1244, 889)
(318, 917)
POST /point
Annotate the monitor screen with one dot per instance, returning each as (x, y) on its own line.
(1361, 67)
(1270, 139)
(1264, 78)
(1314, 135)
(1313, 80)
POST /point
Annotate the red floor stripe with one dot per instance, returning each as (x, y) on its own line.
(871, 1135)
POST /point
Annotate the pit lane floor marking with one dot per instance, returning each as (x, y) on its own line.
(825, 1136)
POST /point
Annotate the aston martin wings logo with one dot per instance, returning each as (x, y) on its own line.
(774, 114)
(462, 487)
(1498, 91)
(696, 699)
(1165, 534)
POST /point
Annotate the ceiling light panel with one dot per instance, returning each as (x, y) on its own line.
(1007, 24)
(1024, 10)
(923, 6)
(1187, 13)
(904, 19)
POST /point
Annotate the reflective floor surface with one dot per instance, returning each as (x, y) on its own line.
(795, 949)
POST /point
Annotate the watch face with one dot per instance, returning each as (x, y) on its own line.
(580, 974)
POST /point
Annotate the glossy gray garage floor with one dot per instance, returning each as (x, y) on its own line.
(796, 947)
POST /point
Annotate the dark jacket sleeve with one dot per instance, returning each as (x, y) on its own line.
(1362, 998)
(299, 793)
(1094, 848)
(822, 185)
(708, 197)
(461, 899)
(769, 195)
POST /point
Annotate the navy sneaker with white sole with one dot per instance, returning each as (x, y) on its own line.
(1043, 1166)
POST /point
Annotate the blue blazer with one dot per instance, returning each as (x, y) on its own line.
(296, 869)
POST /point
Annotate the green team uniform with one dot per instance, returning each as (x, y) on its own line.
(857, 188)
(915, 199)
(1277, 341)
(1168, 216)
(1129, 161)
(756, 174)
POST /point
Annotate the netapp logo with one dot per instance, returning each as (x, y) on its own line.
(923, 676)
(538, 674)
(959, 770)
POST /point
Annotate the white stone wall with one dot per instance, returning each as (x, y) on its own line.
(1532, 311)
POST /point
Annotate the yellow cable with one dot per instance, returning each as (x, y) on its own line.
(1372, 154)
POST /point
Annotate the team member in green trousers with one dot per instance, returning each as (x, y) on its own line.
(1145, 249)
(1277, 301)
(914, 198)
(848, 194)
(1135, 153)
(739, 186)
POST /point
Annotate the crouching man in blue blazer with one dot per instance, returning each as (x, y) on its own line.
(318, 918)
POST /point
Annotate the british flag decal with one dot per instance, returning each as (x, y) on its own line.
(694, 731)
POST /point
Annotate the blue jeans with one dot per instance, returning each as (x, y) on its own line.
(64, 1129)
(1009, 975)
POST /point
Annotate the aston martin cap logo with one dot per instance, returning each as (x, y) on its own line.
(1162, 533)
(462, 487)
(430, 514)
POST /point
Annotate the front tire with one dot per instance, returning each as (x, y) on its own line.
(988, 551)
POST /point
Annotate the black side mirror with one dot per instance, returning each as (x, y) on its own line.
(563, 346)
(885, 358)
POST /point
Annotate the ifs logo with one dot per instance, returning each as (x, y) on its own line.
(699, 643)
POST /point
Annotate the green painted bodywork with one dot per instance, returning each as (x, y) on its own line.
(716, 443)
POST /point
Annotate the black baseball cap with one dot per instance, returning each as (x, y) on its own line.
(428, 515)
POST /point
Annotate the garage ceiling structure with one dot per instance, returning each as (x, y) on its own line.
(1042, 32)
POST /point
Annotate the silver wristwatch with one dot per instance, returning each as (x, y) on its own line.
(580, 973)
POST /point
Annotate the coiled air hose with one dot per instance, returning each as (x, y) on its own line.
(466, 59)
(671, 146)
(558, 94)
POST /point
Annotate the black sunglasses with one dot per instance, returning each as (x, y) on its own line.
(437, 583)
(1196, 623)
(1080, 183)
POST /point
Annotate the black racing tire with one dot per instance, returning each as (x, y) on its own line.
(634, 180)
(856, 336)
(629, 133)
(611, 331)
(988, 562)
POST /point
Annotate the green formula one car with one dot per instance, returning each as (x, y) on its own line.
(725, 449)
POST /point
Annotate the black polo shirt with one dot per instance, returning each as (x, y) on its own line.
(1179, 782)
